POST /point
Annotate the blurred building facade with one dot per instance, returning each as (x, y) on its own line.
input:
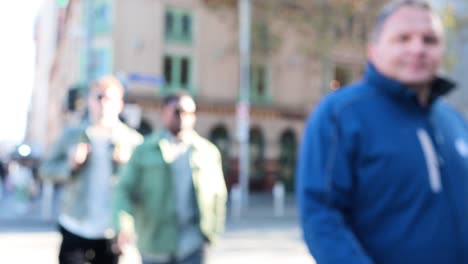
(57, 38)
(160, 46)
(45, 41)
(455, 15)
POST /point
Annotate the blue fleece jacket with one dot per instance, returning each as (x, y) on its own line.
(382, 179)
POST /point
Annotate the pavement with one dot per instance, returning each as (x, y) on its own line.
(256, 237)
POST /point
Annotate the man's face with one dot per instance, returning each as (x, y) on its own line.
(105, 103)
(179, 115)
(410, 46)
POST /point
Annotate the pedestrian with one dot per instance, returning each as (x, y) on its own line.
(22, 181)
(173, 190)
(383, 166)
(85, 160)
(3, 178)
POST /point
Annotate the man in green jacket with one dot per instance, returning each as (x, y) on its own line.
(85, 160)
(172, 194)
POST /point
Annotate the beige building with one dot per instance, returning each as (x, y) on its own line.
(58, 42)
(159, 46)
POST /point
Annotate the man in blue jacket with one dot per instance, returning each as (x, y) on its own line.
(383, 167)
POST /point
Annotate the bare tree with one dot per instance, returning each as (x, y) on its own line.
(322, 26)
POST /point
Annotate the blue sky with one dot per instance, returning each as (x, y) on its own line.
(16, 65)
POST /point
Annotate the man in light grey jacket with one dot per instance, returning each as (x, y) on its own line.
(85, 159)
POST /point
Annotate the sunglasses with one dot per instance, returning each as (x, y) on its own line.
(101, 97)
(179, 111)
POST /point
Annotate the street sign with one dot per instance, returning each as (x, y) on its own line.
(144, 78)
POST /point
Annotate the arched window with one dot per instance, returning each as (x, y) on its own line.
(287, 158)
(220, 137)
(256, 152)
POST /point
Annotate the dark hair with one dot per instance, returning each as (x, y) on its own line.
(391, 8)
(175, 96)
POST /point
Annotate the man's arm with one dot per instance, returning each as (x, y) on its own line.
(221, 196)
(324, 191)
(124, 198)
(57, 168)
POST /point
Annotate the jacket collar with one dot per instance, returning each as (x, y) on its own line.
(192, 138)
(161, 141)
(440, 86)
(117, 134)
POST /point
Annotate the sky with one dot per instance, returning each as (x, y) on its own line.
(17, 54)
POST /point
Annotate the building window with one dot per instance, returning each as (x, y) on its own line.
(363, 32)
(184, 72)
(350, 25)
(186, 26)
(219, 135)
(169, 24)
(259, 91)
(177, 72)
(168, 68)
(342, 76)
(261, 81)
(178, 26)
(287, 158)
(256, 153)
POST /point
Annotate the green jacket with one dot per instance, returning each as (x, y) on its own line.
(57, 169)
(145, 194)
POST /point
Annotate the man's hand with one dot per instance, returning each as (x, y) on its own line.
(121, 154)
(124, 239)
(78, 155)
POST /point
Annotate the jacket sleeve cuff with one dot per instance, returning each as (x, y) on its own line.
(126, 223)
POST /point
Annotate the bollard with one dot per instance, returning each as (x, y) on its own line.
(278, 199)
(236, 202)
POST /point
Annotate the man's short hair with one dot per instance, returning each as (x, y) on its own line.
(106, 82)
(391, 8)
(175, 96)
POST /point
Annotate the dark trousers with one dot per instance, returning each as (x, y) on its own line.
(78, 250)
(197, 257)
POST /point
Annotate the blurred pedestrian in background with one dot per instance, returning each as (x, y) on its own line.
(85, 159)
(172, 193)
(22, 181)
(383, 168)
(3, 177)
